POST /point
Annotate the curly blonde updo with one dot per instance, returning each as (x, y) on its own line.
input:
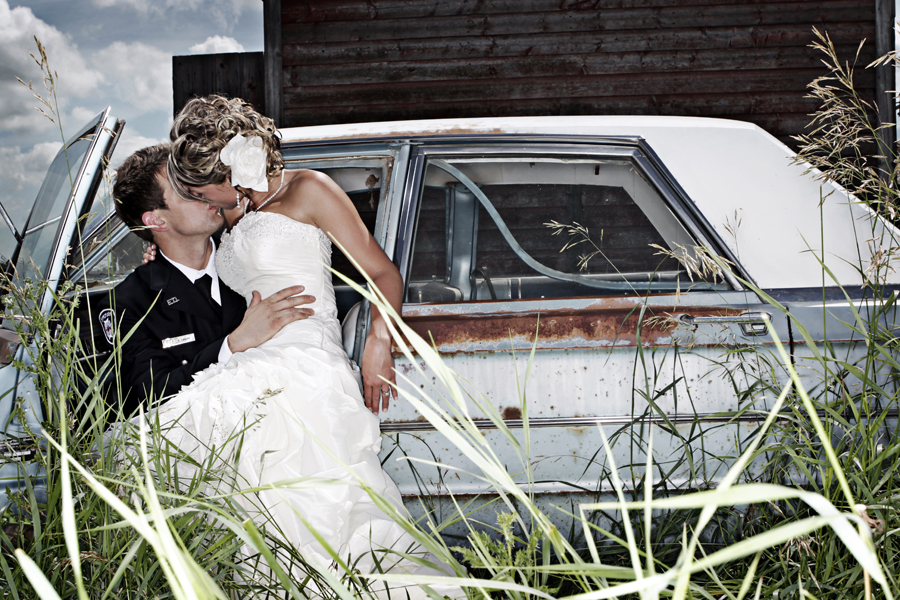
(203, 128)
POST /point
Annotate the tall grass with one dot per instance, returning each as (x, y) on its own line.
(843, 443)
(118, 520)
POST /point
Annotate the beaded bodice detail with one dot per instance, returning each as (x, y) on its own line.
(267, 252)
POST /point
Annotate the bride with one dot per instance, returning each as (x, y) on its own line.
(295, 398)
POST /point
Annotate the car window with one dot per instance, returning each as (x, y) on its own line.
(48, 207)
(363, 186)
(543, 228)
(111, 253)
(102, 206)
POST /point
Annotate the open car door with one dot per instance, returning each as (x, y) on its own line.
(37, 252)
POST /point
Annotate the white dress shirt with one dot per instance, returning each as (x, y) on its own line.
(193, 275)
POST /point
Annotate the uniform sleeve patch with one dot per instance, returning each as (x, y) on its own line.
(108, 324)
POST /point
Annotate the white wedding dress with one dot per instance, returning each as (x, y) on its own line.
(299, 399)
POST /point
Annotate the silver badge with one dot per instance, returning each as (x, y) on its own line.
(177, 341)
(172, 301)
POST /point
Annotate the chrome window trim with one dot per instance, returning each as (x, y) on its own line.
(44, 224)
(84, 184)
(367, 161)
(396, 195)
(10, 225)
(406, 228)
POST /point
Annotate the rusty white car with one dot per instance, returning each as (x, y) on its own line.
(477, 213)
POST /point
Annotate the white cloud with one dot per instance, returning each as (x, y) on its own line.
(142, 6)
(29, 165)
(79, 115)
(223, 12)
(143, 74)
(24, 169)
(134, 78)
(18, 28)
(130, 143)
(217, 44)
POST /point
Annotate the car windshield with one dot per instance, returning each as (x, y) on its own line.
(45, 216)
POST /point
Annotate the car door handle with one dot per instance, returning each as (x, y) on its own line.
(752, 322)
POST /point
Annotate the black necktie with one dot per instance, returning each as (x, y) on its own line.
(204, 284)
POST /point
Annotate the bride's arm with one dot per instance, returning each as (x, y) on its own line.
(321, 201)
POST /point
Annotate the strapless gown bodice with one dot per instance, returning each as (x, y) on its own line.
(268, 252)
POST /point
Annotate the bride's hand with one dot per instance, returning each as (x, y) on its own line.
(149, 253)
(377, 363)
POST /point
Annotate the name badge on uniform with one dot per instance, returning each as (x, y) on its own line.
(177, 341)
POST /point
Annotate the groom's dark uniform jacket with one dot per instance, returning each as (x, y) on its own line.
(180, 335)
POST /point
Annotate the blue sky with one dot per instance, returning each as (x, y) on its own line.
(114, 53)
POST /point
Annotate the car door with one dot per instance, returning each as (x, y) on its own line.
(581, 250)
(38, 251)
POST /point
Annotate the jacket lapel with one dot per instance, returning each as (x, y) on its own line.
(232, 302)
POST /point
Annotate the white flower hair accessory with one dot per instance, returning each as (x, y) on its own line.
(248, 159)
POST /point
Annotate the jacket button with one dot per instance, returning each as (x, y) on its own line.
(184, 362)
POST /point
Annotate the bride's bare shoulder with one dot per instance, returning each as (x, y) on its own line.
(307, 180)
(310, 193)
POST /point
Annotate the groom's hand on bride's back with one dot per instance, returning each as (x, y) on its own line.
(265, 318)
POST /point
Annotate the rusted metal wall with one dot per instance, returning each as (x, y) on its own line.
(234, 74)
(374, 60)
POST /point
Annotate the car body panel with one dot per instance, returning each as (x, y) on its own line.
(683, 377)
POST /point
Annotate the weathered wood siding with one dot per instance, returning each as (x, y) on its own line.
(373, 60)
(235, 74)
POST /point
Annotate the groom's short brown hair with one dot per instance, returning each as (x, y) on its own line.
(137, 189)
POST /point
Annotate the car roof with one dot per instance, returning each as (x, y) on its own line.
(772, 214)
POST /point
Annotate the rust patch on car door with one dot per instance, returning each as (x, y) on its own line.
(611, 323)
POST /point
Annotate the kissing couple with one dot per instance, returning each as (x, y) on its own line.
(245, 335)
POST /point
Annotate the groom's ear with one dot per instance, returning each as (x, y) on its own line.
(154, 221)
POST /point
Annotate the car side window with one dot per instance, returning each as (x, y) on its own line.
(108, 252)
(501, 228)
(124, 255)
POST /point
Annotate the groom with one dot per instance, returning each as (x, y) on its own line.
(184, 318)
